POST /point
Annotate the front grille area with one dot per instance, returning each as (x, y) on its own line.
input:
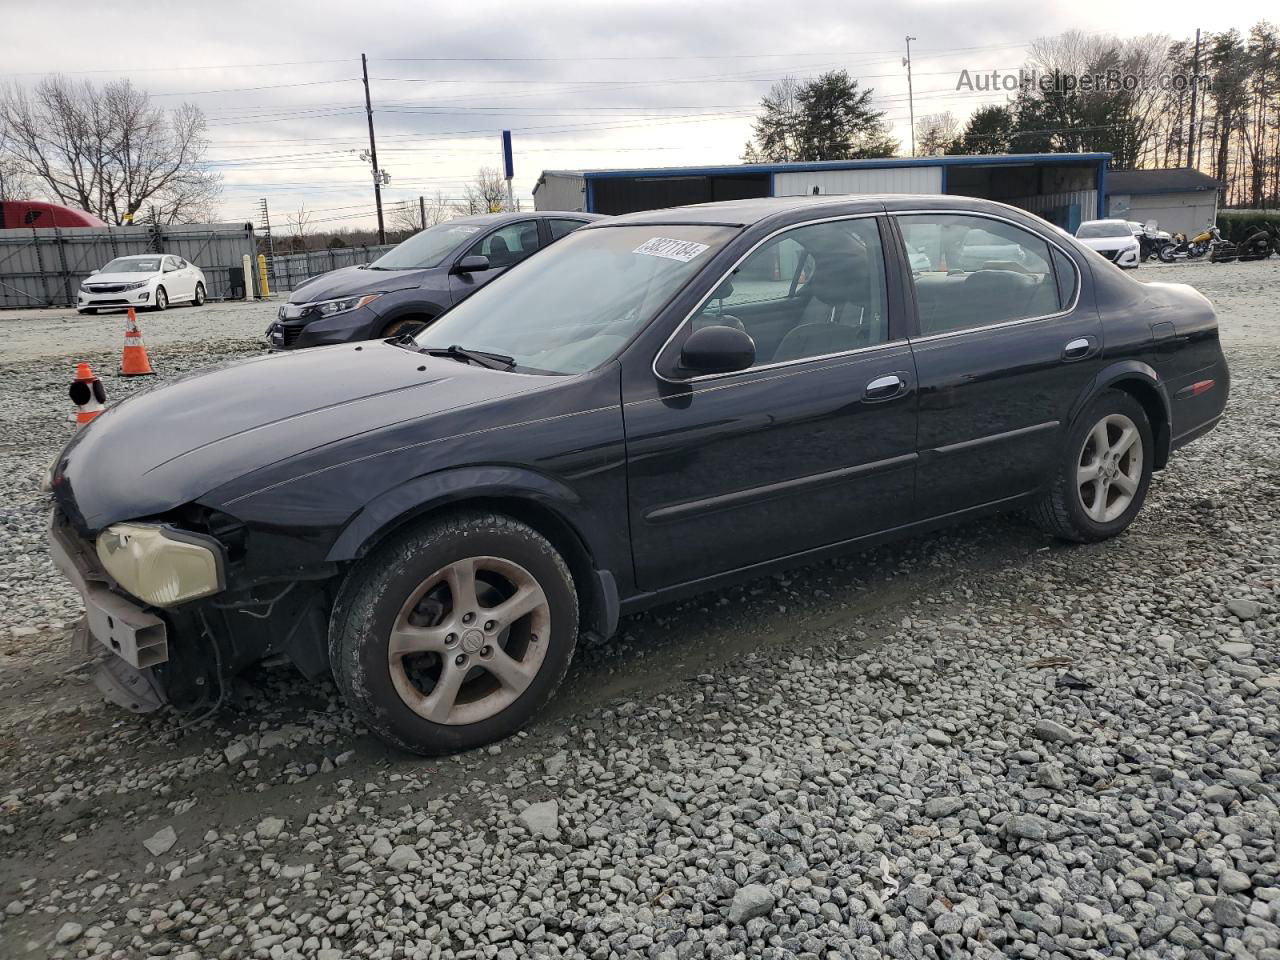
(106, 287)
(1110, 254)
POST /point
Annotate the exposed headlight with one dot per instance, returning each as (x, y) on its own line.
(159, 565)
(328, 308)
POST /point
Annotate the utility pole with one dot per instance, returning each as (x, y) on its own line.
(911, 100)
(1192, 159)
(422, 211)
(373, 151)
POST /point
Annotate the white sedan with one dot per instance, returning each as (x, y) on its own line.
(1113, 239)
(152, 280)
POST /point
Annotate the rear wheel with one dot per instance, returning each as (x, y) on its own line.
(162, 299)
(1101, 480)
(454, 634)
(1166, 253)
(198, 299)
(91, 311)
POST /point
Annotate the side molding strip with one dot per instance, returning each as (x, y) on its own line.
(707, 504)
(995, 438)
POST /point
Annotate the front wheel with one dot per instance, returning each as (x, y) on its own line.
(1165, 253)
(454, 634)
(1101, 481)
(198, 299)
(162, 299)
(407, 326)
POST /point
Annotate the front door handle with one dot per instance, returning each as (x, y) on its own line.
(1077, 349)
(884, 388)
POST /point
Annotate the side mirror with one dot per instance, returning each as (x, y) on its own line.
(717, 349)
(472, 264)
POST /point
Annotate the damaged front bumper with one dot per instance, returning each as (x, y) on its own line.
(127, 640)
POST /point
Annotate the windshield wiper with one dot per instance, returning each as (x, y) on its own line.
(494, 361)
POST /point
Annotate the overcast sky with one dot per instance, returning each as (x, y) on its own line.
(601, 84)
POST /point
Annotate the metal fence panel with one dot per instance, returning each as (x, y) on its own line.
(290, 269)
(45, 267)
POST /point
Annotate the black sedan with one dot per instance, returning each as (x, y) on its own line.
(659, 404)
(412, 284)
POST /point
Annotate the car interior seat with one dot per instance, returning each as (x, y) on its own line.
(839, 314)
(499, 252)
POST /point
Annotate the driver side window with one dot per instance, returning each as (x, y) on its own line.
(507, 245)
(810, 292)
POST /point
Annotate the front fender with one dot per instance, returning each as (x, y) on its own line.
(449, 486)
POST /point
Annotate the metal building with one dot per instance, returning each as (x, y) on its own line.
(1064, 188)
(1179, 199)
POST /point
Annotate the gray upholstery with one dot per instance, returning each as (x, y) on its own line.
(839, 314)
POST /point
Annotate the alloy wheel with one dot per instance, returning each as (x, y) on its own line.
(1109, 468)
(469, 640)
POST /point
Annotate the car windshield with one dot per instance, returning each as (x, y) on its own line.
(133, 265)
(428, 248)
(572, 307)
(1093, 231)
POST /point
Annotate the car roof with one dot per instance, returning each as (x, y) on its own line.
(742, 213)
(486, 219)
(1115, 220)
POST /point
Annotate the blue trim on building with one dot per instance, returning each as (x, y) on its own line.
(984, 160)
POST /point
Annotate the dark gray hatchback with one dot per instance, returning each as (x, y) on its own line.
(409, 286)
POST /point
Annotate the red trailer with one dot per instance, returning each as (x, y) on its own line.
(15, 214)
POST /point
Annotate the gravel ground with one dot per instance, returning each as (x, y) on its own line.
(979, 743)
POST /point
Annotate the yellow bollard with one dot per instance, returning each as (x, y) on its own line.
(263, 288)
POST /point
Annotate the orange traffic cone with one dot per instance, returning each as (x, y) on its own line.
(88, 394)
(135, 362)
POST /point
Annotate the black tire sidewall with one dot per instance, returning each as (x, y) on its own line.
(162, 298)
(198, 299)
(378, 591)
(1109, 402)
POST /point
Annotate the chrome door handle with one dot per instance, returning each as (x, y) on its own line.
(1077, 349)
(884, 388)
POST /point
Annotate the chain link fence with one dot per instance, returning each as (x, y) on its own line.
(290, 269)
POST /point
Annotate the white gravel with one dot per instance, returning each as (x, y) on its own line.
(976, 744)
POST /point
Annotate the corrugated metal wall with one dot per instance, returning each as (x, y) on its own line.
(45, 267)
(1044, 204)
(558, 191)
(1176, 212)
(291, 269)
(909, 179)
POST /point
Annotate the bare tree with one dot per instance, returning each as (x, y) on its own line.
(107, 150)
(15, 182)
(414, 215)
(935, 132)
(487, 193)
(299, 221)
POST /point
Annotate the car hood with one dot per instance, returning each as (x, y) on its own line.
(170, 445)
(120, 277)
(354, 281)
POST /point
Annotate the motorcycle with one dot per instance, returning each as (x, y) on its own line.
(1260, 244)
(1180, 248)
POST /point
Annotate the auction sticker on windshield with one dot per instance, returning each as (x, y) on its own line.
(682, 250)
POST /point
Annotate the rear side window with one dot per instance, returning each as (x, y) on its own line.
(1066, 272)
(560, 228)
(972, 271)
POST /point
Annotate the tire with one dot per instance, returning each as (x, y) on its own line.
(408, 585)
(1071, 508)
(198, 299)
(162, 299)
(90, 311)
(403, 326)
(1165, 253)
